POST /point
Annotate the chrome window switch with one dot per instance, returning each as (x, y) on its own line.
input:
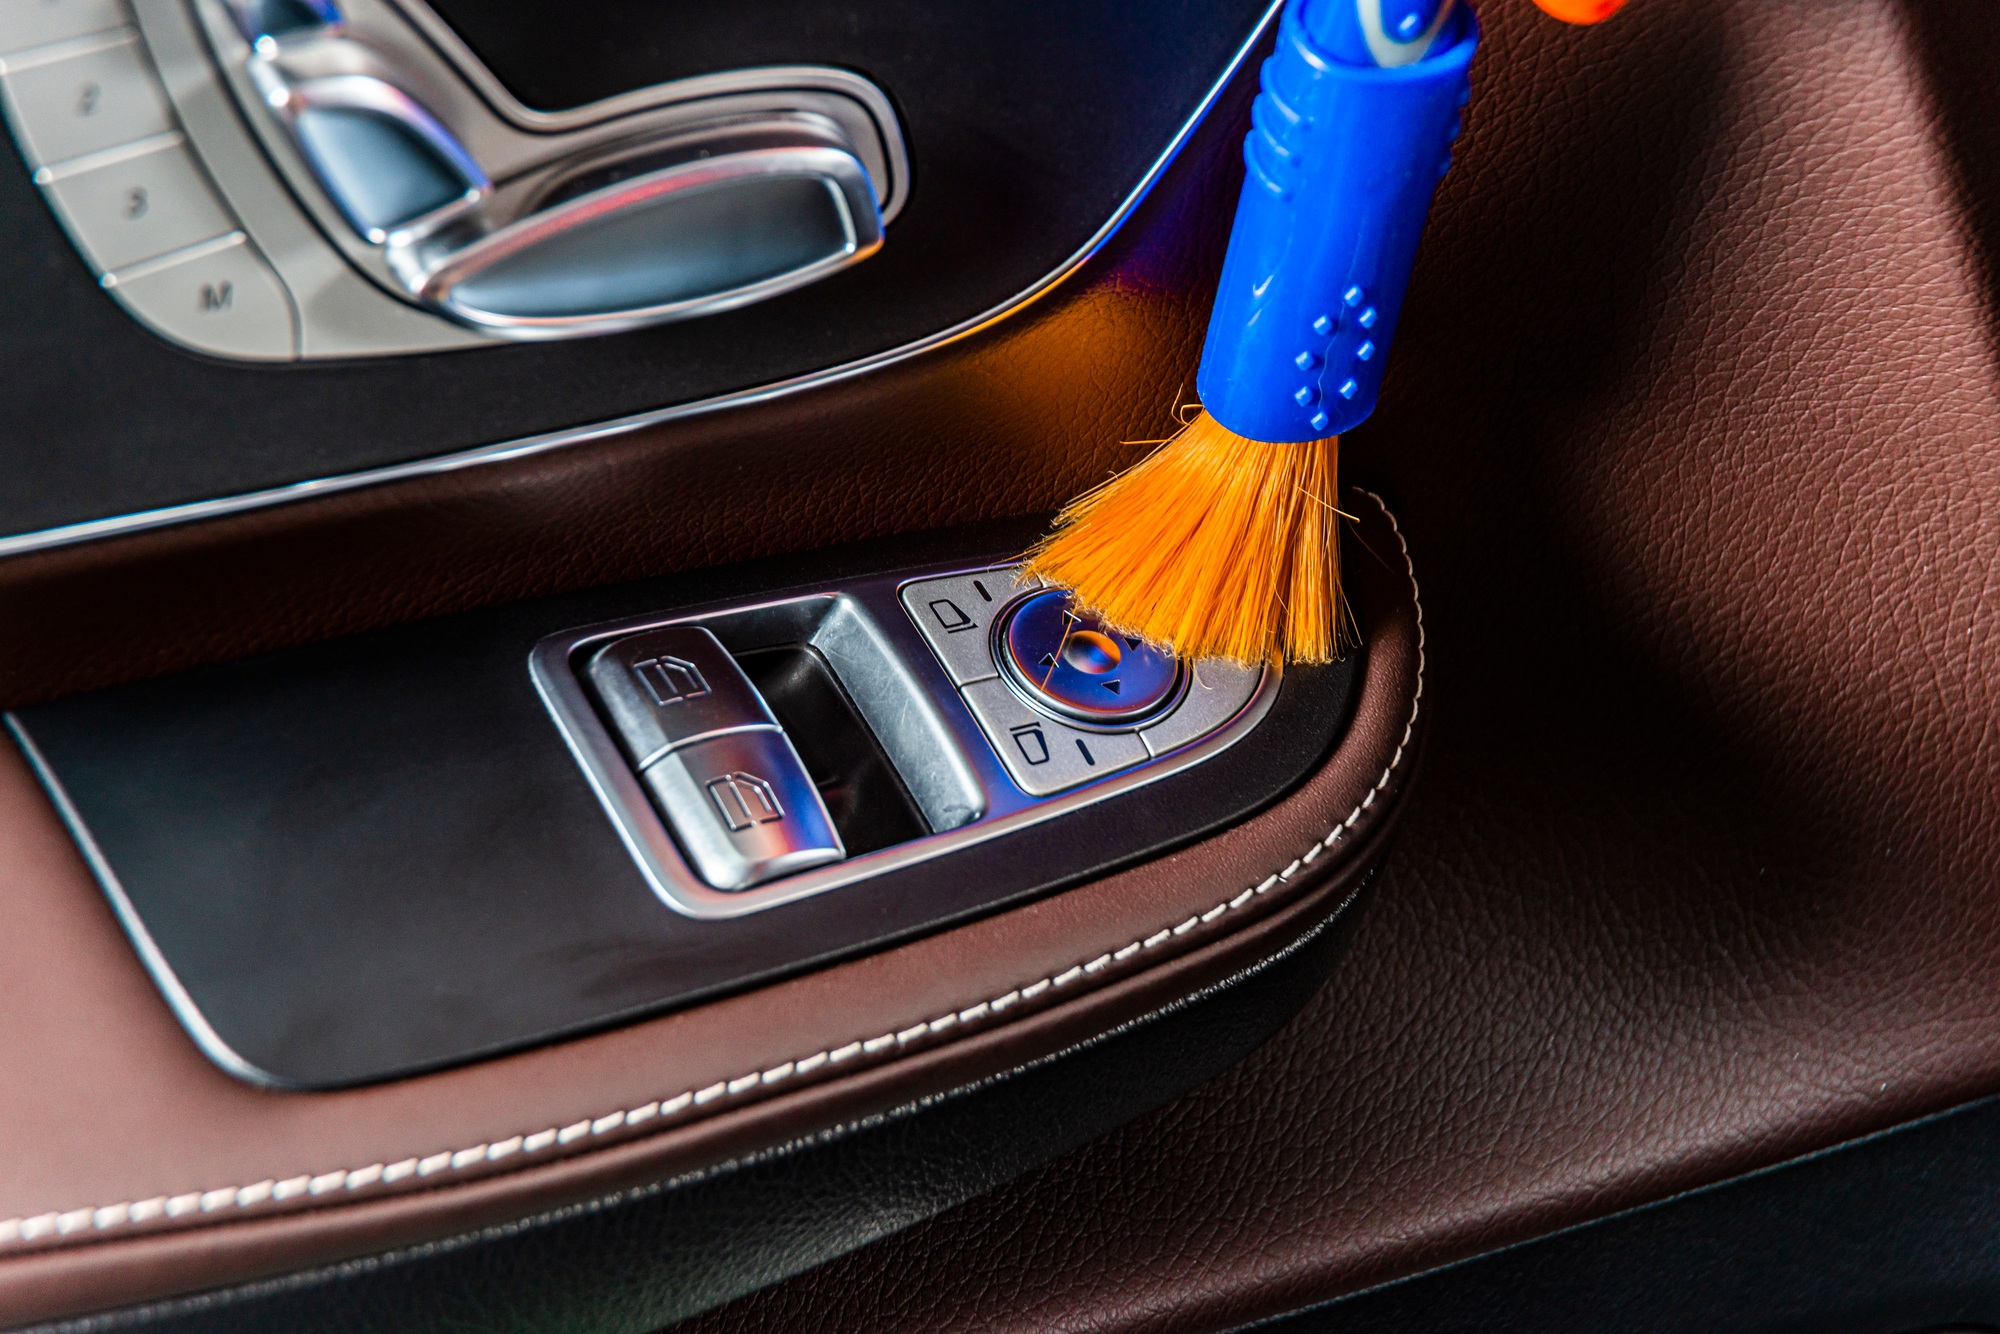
(728, 779)
(744, 808)
(668, 687)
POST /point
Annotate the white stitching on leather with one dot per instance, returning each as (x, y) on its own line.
(18, 1231)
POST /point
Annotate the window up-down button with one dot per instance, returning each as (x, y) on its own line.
(666, 688)
(725, 775)
(743, 808)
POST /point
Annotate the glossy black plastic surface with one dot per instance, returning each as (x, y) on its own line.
(376, 855)
(1027, 125)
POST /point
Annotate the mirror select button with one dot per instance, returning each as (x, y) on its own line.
(956, 615)
(1044, 756)
(1217, 691)
(743, 808)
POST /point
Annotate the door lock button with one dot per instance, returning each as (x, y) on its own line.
(666, 688)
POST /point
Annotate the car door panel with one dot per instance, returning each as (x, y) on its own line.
(1690, 438)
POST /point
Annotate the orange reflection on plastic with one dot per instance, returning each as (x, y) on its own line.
(1581, 11)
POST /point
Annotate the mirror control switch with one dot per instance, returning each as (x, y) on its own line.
(1028, 667)
(1075, 666)
(744, 808)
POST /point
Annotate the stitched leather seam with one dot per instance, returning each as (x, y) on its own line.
(88, 1222)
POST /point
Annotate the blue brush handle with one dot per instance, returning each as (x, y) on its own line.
(1351, 133)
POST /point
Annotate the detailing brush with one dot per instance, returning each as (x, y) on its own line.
(1223, 543)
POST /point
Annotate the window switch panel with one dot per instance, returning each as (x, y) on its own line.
(735, 790)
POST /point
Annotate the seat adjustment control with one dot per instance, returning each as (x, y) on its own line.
(705, 744)
(614, 236)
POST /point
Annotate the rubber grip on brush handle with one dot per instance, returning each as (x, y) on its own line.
(1342, 160)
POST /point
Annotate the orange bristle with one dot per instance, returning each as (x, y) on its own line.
(1213, 546)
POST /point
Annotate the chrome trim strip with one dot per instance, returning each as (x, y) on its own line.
(178, 1000)
(649, 760)
(91, 530)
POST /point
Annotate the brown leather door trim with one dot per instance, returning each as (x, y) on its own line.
(118, 1103)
